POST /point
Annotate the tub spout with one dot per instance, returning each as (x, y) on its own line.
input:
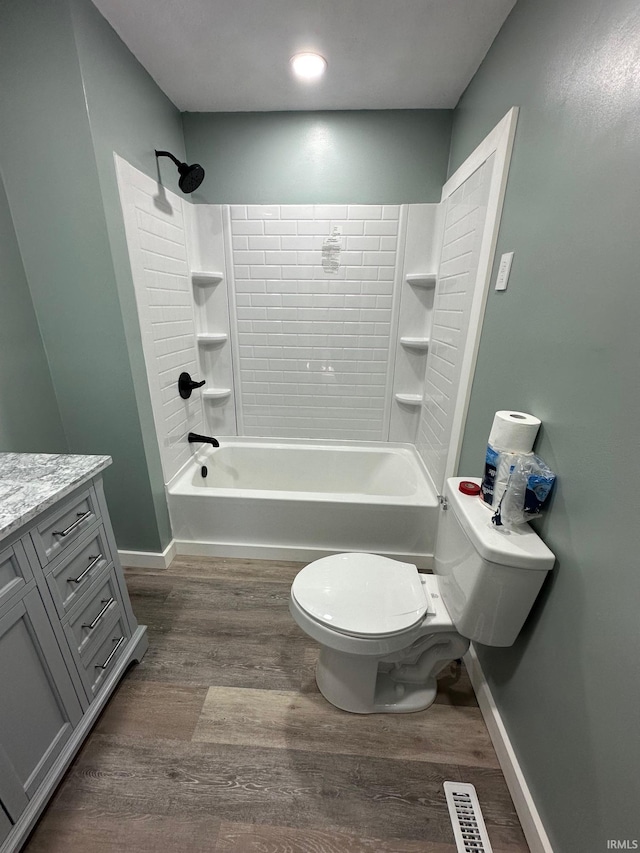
(194, 438)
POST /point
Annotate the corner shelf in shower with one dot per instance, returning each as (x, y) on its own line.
(409, 399)
(422, 279)
(415, 343)
(206, 279)
(216, 393)
(211, 338)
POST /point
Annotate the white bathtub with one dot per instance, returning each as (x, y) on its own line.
(301, 500)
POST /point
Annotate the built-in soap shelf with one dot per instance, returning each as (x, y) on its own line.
(414, 316)
(409, 399)
(209, 304)
(216, 393)
(204, 278)
(421, 344)
(212, 338)
(421, 279)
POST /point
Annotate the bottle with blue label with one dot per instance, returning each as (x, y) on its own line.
(487, 487)
(497, 469)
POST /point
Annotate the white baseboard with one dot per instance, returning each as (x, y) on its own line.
(185, 548)
(532, 826)
(149, 559)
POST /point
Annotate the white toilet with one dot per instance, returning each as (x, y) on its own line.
(386, 631)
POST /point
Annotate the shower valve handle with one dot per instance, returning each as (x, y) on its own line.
(186, 385)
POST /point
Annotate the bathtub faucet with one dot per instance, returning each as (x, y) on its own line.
(194, 438)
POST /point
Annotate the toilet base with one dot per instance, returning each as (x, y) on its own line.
(389, 697)
(392, 697)
(366, 684)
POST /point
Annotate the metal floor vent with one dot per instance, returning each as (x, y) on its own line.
(466, 818)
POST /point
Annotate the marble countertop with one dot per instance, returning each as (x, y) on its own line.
(32, 482)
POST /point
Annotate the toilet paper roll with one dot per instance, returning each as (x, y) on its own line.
(514, 431)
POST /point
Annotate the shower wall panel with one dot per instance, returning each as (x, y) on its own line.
(465, 217)
(314, 345)
(156, 237)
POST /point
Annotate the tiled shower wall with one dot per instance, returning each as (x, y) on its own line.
(157, 241)
(465, 216)
(314, 346)
(313, 351)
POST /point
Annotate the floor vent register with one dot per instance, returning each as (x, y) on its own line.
(466, 818)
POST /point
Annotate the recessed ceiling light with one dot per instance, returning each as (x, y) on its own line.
(308, 66)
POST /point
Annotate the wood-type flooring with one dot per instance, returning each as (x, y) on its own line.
(219, 741)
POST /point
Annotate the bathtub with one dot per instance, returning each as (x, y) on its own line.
(301, 500)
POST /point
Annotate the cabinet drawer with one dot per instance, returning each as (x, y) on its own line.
(15, 571)
(61, 529)
(72, 577)
(102, 657)
(87, 620)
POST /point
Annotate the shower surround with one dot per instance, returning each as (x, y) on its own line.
(238, 296)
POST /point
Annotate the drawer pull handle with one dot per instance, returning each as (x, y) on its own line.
(82, 576)
(107, 605)
(82, 516)
(110, 658)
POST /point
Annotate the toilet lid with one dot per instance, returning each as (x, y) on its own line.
(361, 594)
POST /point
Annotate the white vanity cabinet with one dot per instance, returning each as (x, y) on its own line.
(67, 633)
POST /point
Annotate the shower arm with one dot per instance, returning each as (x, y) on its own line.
(170, 155)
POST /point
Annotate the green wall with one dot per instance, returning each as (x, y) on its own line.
(29, 415)
(562, 342)
(362, 157)
(52, 165)
(130, 115)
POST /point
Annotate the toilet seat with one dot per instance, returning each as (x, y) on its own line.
(362, 595)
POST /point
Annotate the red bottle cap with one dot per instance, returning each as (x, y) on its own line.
(469, 488)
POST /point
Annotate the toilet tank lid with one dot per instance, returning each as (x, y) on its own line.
(521, 548)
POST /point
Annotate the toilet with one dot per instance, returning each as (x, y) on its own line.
(386, 631)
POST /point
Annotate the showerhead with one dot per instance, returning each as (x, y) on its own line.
(190, 176)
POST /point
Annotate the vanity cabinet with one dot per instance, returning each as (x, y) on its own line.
(67, 632)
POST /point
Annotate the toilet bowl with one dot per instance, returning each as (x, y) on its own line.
(386, 631)
(383, 630)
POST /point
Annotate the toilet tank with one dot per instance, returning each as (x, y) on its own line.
(489, 576)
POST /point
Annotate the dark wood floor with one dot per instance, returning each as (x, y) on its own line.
(219, 740)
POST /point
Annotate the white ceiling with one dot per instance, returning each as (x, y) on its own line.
(228, 55)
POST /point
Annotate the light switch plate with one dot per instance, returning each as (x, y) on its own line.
(503, 271)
